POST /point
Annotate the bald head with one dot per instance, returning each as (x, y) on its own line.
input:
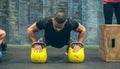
(60, 17)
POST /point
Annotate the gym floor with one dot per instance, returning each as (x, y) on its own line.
(18, 58)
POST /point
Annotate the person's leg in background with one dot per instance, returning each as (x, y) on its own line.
(117, 12)
(108, 13)
(3, 45)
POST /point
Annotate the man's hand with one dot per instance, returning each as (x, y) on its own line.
(76, 46)
(37, 48)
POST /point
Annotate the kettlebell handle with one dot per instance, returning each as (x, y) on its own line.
(76, 43)
(39, 43)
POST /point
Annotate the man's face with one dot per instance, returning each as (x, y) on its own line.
(57, 26)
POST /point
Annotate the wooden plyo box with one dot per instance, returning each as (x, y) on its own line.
(109, 42)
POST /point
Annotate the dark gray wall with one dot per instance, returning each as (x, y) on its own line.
(22, 13)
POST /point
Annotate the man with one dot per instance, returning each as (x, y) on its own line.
(57, 31)
(3, 45)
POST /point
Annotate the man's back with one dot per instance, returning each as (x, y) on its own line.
(53, 37)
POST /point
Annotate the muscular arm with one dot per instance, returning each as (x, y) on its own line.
(82, 33)
(31, 32)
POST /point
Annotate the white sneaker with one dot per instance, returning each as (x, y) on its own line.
(66, 53)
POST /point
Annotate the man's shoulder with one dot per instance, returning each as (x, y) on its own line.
(47, 18)
(44, 20)
(71, 21)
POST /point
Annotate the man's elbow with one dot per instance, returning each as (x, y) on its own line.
(29, 31)
(84, 30)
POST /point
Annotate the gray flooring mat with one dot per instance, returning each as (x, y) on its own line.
(18, 58)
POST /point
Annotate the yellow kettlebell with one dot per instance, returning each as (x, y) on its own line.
(78, 56)
(39, 57)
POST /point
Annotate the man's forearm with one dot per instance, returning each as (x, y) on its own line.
(81, 36)
(31, 36)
